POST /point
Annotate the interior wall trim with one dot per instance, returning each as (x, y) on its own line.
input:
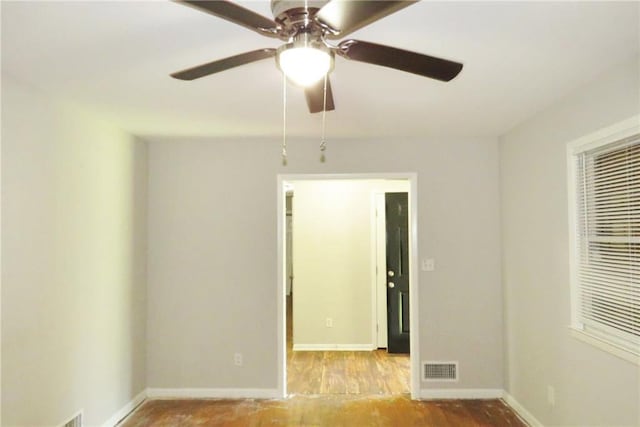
(213, 393)
(127, 409)
(521, 410)
(461, 393)
(334, 347)
(414, 274)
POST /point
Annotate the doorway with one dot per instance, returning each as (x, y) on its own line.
(327, 323)
(396, 225)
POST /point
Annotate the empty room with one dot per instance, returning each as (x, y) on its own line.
(320, 213)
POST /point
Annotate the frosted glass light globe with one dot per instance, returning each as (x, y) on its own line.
(304, 65)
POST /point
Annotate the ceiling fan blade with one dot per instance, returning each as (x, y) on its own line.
(315, 97)
(223, 64)
(346, 16)
(237, 14)
(403, 60)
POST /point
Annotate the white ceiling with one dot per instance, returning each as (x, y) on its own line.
(115, 58)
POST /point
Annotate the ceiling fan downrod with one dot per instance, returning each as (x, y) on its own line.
(323, 141)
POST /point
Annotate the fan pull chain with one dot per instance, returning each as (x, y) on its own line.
(284, 120)
(323, 142)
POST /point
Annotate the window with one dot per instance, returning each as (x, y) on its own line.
(604, 210)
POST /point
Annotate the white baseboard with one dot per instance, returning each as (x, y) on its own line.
(333, 347)
(213, 393)
(461, 393)
(126, 409)
(521, 410)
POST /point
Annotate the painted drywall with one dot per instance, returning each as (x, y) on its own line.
(213, 253)
(592, 387)
(333, 249)
(73, 263)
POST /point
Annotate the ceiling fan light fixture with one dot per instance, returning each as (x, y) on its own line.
(304, 63)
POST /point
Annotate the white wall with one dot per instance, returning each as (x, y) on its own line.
(213, 253)
(591, 387)
(73, 263)
(334, 264)
(332, 252)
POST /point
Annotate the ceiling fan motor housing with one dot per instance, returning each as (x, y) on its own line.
(278, 7)
(295, 17)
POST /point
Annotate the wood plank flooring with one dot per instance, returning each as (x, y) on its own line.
(330, 411)
(347, 372)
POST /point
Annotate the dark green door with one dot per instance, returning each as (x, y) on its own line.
(397, 227)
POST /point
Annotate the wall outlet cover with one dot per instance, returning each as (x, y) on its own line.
(237, 359)
(428, 264)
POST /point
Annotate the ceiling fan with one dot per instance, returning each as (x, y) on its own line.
(307, 57)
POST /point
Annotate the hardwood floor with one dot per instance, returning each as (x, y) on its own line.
(347, 372)
(330, 411)
(332, 389)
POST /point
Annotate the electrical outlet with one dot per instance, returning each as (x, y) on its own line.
(428, 264)
(551, 395)
(329, 322)
(237, 359)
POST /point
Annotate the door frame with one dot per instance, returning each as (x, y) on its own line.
(379, 251)
(413, 271)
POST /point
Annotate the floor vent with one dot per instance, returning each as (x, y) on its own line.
(75, 421)
(439, 371)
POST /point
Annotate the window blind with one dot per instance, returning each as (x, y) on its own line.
(608, 241)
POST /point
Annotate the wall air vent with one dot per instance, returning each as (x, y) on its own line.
(439, 371)
(75, 421)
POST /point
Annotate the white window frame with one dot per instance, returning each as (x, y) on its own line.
(603, 137)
